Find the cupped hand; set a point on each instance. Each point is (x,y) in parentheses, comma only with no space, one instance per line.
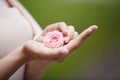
(67,31)
(37,50)
(78,40)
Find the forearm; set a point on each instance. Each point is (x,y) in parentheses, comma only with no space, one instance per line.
(35,69)
(10,63)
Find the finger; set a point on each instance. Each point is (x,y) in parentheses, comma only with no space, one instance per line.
(75,34)
(55,53)
(71,30)
(38,38)
(70,35)
(61,59)
(61,26)
(75,43)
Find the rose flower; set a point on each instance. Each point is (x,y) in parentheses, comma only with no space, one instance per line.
(54,39)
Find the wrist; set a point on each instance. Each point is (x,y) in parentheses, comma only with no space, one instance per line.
(11,62)
(35,69)
(20,55)
(27,52)
(40,63)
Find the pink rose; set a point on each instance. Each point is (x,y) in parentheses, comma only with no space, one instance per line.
(54,39)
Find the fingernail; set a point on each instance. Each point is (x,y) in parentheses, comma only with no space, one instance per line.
(64,51)
(66,32)
(93,28)
(96,26)
(67,39)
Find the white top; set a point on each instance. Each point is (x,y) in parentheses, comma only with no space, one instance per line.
(14,30)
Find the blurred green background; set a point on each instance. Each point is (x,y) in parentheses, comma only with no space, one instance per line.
(81,14)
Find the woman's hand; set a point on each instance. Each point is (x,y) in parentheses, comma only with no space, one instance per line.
(77,41)
(43,56)
(67,31)
(36,49)
(71,37)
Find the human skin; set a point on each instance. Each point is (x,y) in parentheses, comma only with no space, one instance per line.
(33,73)
(36,63)
(34,51)
(75,42)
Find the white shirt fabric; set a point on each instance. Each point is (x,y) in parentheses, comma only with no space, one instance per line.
(14,30)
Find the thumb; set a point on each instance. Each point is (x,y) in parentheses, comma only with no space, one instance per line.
(64,51)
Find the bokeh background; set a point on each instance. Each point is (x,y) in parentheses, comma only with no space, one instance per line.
(98,58)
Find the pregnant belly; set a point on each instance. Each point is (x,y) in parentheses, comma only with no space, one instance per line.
(13,32)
